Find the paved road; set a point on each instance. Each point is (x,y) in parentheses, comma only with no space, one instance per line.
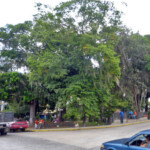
(67,140)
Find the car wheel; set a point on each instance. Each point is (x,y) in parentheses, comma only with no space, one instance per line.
(11,130)
(23,129)
(3,133)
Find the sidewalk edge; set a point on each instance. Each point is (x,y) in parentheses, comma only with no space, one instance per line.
(85,128)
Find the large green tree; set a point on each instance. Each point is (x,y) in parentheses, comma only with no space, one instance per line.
(67,44)
(134,49)
(15,47)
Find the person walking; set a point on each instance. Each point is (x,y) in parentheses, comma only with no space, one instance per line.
(121,116)
(135,115)
(36,124)
(41,123)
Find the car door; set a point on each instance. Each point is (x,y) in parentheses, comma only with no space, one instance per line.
(137,148)
(135,143)
(128,147)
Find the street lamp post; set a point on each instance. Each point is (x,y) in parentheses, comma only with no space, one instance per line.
(124,95)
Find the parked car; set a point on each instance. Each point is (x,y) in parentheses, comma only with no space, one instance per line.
(18,124)
(133,143)
(3,128)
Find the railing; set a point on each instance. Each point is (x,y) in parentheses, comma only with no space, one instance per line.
(6,116)
(116,116)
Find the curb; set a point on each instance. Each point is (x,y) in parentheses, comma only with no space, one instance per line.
(85,128)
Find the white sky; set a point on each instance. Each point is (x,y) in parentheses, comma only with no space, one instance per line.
(136,13)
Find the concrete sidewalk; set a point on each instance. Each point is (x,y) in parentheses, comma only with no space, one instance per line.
(116,123)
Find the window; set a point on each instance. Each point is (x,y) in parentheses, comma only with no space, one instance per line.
(137,141)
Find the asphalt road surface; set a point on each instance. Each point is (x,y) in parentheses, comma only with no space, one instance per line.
(67,140)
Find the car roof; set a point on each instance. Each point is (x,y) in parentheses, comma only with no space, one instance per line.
(20,121)
(145,131)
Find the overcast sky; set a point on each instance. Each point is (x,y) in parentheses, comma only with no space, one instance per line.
(136,14)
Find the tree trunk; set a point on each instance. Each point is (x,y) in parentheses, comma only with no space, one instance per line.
(84,120)
(136,99)
(109,120)
(62,115)
(146,107)
(32,112)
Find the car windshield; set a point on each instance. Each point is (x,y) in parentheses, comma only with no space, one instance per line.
(138,140)
(19,120)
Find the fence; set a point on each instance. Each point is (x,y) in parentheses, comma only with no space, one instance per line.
(116,115)
(54,125)
(6,116)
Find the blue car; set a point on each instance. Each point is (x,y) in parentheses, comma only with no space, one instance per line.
(140,141)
